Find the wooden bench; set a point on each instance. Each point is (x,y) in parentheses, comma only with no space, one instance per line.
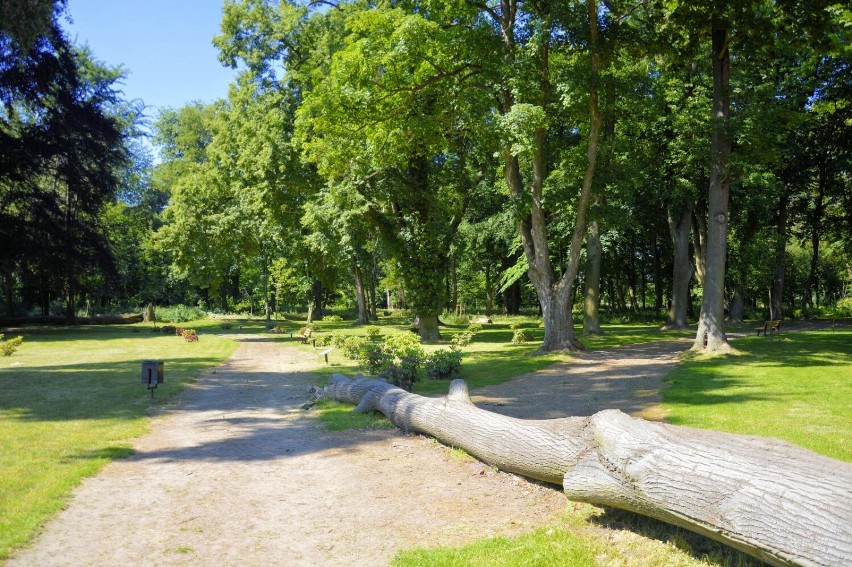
(769,327)
(304,334)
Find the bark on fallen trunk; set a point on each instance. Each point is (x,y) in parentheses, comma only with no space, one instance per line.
(778,502)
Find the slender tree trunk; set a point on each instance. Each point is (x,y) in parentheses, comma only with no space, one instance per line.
(711,319)
(454,291)
(8,290)
(267,308)
(363,316)
(318,303)
(780,261)
(816,220)
(679,229)
(699,244)
(591,304)
(489,291)
(658,275)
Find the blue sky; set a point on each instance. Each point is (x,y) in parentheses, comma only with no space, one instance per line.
(164,45)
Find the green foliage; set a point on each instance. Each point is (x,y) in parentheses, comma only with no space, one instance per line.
(189,335)
(462,339)
(324,340)
(373,357)
(373,331)
(179,314)
(9,346)
(333,318)
(443,364)
(169,329)
(521,336)
(404,346)
(402,372)
(844,307)
(353,346)
(474,327)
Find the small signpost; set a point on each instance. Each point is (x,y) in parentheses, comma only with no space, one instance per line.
(152,374)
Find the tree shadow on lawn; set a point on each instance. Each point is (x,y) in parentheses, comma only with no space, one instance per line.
(90,390)
(698,546)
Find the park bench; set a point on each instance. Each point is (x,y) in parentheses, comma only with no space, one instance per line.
(769,327)
(304,334)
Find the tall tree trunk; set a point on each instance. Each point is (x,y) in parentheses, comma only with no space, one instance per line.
(699,244)
(679,229)
(777,302)
(658,275)
(8,290)
(454,289)
(489,291)
(553,292)
(816,220)
(780,503)
(363,316)
(318,290)
(592,302)
(711,319)
(267,308)
(427,327)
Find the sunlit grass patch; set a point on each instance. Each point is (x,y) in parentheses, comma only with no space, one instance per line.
(338,417)
(72,399)
(796,387)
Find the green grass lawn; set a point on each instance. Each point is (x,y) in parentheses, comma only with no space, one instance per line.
(796,386)
(71,401)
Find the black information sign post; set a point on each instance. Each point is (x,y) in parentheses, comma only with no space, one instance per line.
(152,374)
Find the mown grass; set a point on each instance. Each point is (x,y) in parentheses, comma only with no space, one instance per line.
(339,417)
(71,401)
(796,386)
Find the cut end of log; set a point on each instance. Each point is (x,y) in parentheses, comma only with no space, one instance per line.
(458,392)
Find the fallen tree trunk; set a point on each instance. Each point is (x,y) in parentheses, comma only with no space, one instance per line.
(780,503)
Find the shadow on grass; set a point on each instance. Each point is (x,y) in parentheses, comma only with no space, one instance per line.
(104,390)
(698,546)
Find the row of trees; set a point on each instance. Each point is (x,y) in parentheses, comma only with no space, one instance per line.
(476,154)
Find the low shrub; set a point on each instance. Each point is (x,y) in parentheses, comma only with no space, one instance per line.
(352,347)
(404,345)
(9,346)
(373,357)
(521,336)
(278,330)
(373,331)
(189,335)
(333,319)
(462,339)
(515,326)
(443,364)
(179,331)
(474,327)
(402,374)
(323,340)
(338,340)
(226,326)
(169,329)
(844,307)
(179,314)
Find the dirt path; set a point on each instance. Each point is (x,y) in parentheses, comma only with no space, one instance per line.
(236,474)
(628,378)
